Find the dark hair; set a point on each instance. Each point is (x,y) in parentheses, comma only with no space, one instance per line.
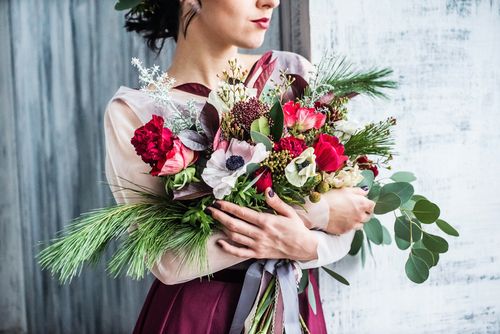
(155,20)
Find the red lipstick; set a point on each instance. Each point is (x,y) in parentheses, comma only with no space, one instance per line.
(263,22)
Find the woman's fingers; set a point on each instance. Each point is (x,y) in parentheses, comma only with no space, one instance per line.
(235,250)
(241,212)
(358,226)
(239,238)
(278,205)
(234,224)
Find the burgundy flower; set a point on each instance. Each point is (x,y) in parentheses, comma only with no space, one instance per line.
(265,181)
(365,163)
(292,144)
(152,141)
(329,153)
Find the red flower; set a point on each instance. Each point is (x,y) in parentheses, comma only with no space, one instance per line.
(329,153)
(303,118)
(365,163)
(152,141)
(177,159)
(292,144)
(265,181)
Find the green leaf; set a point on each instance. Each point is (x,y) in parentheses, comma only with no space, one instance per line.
(403,190)
(368,178)
(417,198)
(425,255)
(387,203)
(276,114)
(311,297)
(402,229)
(374,191)
(402,244)
(336,276)
(435,243)
(416,269)
(357,242)
(426,211)
(304,280)
(126,4)
(403,177)
(374,231)
(387,236)
(261,125)
(446,228)
(260,138)
(408,205)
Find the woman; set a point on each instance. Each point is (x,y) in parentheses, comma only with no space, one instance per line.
(207,34)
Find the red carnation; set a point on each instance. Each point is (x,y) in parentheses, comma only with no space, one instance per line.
(329,153)
(365,163)
(152,141)
(265,181)
(292,144)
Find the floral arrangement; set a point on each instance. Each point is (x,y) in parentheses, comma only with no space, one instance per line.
(295,137)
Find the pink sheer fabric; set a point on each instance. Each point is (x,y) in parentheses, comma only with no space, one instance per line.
(129,109)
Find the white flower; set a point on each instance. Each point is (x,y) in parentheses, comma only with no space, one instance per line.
(347,177)
(224,167)
(345,129)
(226,96)
(301,168)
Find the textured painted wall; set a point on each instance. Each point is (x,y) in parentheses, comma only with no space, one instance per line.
(446,56)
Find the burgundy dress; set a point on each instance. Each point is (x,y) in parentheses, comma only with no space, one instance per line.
(202,306)
(207,306)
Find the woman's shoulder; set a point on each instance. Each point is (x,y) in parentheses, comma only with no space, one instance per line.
(127,102)
(295,63)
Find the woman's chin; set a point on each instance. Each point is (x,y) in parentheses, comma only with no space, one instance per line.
(252,43)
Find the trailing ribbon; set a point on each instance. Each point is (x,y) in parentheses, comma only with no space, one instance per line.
(283,270)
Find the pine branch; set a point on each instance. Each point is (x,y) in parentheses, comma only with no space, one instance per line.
(335,74)
(374,139)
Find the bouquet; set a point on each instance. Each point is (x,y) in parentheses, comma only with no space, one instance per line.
(294,136)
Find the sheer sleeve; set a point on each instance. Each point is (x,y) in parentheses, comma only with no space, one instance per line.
(120,123)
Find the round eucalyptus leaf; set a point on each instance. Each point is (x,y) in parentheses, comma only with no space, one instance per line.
(374,191)
(426,211)
(425,255)
(368,178)
(402,244)
(416,269)
(387,203)
(374,231)
(404,190)
(403,177)
(417,198)
(436,258)
(435,243)
(407,230)
(408,205)
(447,228)
(387,240)
(357,242)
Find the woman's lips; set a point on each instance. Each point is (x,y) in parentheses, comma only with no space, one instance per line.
(263,23)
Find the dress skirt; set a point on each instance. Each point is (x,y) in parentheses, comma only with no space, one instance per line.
(208,306)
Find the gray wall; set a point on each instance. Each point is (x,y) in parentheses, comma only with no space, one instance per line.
(61,61)
(446,55)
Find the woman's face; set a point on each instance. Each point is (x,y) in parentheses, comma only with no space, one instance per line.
(236,22)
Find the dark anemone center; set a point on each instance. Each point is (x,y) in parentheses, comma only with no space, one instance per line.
(303,165)
(234,162)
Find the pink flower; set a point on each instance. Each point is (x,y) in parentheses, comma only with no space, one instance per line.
(329,153)
(219,142)
(302,118)
(177,159)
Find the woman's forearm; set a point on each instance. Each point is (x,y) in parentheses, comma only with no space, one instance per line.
(170,270)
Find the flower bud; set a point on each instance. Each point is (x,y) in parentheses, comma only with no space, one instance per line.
(323,187)
(315,197)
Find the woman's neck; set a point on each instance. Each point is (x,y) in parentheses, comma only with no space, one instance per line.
(202,60)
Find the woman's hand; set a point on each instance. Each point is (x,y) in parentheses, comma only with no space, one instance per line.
(264,235)
(348,209)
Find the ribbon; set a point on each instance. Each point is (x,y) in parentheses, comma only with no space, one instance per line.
(283,270)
